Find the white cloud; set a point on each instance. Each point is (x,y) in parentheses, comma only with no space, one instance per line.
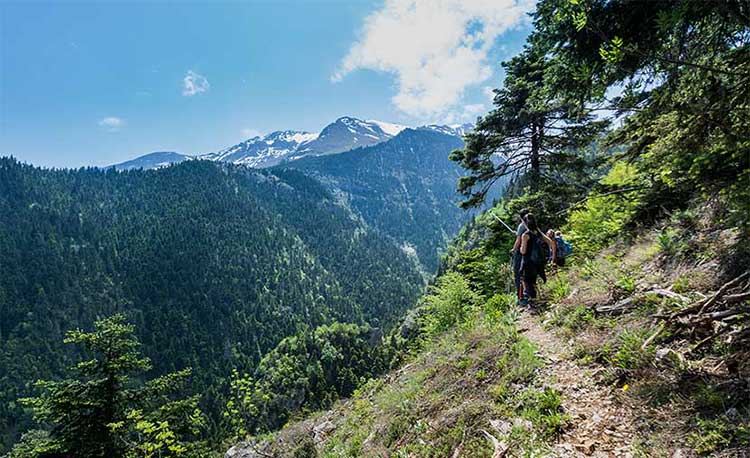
(466,113)
(435,48)
(194,83)
(250,133)
(111,123)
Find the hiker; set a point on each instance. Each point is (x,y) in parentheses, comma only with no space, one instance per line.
(533,257)
(516,254)
(564,249)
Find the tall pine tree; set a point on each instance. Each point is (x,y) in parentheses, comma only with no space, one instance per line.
(529,131)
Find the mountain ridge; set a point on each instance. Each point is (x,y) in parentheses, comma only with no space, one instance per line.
(344,134)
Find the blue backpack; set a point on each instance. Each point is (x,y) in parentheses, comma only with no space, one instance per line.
(564,248)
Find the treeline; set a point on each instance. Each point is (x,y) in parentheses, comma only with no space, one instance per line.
(213,264)
(307,371)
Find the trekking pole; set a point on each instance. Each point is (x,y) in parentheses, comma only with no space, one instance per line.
(503,223)
(514,233)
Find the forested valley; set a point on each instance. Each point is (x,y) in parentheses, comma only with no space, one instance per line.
(213,264)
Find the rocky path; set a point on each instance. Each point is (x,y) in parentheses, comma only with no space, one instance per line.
(601,425)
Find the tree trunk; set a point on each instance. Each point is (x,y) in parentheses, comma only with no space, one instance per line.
(534,161)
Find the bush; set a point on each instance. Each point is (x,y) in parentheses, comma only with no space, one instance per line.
(449,303)
(630,353)
(603,218)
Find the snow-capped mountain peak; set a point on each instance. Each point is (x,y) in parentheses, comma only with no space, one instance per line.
(344,134)
(457,130)
(289,137)
(264,151)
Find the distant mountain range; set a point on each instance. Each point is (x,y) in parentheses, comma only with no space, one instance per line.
(344,134)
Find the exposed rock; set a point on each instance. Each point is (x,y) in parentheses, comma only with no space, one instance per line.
(245,449)
(669,358)
(322,430)
(501,426)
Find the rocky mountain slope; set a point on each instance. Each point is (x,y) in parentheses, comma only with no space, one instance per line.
(404,187)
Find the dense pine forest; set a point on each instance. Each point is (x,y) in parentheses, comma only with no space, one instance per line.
(213,264)
(624,124)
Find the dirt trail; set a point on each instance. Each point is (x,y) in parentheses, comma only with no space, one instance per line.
(600,426)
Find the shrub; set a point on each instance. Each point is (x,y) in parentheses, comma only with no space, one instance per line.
(497,307)
(449,303)
(602,218)
(630,353)
(574,318)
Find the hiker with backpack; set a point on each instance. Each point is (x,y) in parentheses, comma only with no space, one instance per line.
(564,248)
(516,254)
(534,248)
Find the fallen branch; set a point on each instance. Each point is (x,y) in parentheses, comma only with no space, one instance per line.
(722,290)
(618,307)
(668,293)
(724,313)
(701,305)
(708,339)
(733,298)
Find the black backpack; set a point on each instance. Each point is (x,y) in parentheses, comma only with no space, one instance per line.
(537,251)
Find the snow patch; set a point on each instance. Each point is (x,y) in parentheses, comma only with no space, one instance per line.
(387,127)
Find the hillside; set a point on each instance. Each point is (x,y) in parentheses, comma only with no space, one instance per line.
(398,180)
(214,264)
(591,294)
(405,188)
(616,359)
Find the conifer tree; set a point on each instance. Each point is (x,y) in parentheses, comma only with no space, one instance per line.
(105,411)
(528,132)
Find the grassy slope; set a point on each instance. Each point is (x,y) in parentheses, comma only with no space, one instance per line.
(574,380)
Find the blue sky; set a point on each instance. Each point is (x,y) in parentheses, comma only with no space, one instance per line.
(94,83)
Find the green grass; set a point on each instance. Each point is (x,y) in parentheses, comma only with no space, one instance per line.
(630,353)
(558,288)
(718,433)
(572,319)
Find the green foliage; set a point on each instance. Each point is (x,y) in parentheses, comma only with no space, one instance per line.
(309,370)
(668,241)
(529,130)
(521,361)
(630,352)
(106,411)
(626,283)
(487,270)
(683,66)
(496,310)
(450,302)
(558,287)
(573,319)
(717,433)
(214,264)
(544,409)
(603,218)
